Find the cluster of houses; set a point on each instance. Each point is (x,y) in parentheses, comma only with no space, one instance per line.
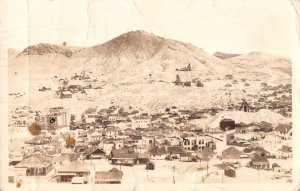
(75,84)
(133,137)
(64,170)
(98,134)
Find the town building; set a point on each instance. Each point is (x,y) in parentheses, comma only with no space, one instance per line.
(229,171)
(140,122)
(227,124)
(36,165)
(260,162)
(231,153)
(158,153)
(113,176)
(70,171)
(284,131)
(127,156)
(197,142)
(111,132)
(57,120)
(148,142)
(65,94)
(89,117)
(285,152)
(116,118)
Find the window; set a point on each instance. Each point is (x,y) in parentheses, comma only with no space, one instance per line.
(150,141)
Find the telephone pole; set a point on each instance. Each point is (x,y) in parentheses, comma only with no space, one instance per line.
(174,174)
(207,169)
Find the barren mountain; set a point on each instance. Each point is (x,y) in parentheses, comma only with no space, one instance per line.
(259,59)
(137,47)
(273,67)
(43,48)
(139,68)
(137,44)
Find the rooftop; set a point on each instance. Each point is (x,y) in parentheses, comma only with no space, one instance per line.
(74,166)
(113,174)
(35,161)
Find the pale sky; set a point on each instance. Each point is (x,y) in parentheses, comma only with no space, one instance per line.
(234,26)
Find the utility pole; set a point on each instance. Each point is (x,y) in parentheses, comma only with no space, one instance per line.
(207,169)
(275,138)
(174,174)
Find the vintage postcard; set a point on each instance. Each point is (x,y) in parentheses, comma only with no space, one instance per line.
(149,95)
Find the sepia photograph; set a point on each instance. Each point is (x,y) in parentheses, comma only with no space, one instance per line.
(149,93)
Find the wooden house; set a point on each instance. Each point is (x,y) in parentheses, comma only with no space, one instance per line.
(96,154)
(175,151)
(70,170)
(285,152)
(36,165)
(65,94)
(284,131)
(260,162)
(206,154)
(158,153)
(229,171)
(113,176)
(124,156)
(231,153)
(276,167)
(186,157)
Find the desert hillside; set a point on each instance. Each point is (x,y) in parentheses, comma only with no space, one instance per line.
(139,68)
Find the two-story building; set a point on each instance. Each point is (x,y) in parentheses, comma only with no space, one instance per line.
(140,122)
(116,118)
(148,142)
(111,133)
(89,117)
(195,142)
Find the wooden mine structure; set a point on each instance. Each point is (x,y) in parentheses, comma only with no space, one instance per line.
(244,106)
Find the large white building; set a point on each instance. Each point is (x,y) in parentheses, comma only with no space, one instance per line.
(116,118)
(196,142)
(57,120)
(89,117)
(140,122)
(148,142)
